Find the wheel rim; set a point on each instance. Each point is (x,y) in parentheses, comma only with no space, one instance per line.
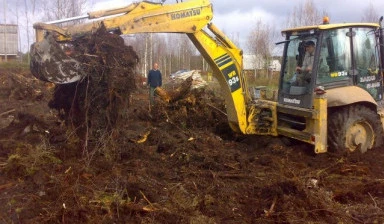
(360,136)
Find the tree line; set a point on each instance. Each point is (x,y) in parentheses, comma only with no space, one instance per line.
(173,52)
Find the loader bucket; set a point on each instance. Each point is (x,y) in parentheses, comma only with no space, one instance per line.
(50,63)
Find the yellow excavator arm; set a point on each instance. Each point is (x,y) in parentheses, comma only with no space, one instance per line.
(189,17)
(141,17)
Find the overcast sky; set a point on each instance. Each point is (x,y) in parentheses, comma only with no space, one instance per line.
(237,17)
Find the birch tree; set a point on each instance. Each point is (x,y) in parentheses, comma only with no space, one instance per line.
(60,9)
(370,14)
(260,43)
(305,14)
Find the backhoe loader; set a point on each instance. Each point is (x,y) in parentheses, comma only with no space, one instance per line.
(338,107)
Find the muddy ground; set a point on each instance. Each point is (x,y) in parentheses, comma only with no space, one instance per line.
(174,163)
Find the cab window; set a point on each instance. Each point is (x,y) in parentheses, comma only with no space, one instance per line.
(367,61)
(335,56)
(365,51)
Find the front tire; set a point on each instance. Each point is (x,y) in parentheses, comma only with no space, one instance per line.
(354,128)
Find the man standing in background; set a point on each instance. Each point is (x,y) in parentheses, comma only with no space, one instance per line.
(154,81)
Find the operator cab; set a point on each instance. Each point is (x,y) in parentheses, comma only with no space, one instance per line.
(344,55)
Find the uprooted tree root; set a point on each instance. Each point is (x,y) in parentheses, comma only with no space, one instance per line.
(99,102)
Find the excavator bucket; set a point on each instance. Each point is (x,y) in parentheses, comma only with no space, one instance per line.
(50,63)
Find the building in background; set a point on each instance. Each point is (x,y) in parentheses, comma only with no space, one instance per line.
(8,42)
(275,65)
(252,62)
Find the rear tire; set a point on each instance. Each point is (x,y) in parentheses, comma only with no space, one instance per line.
(354,128)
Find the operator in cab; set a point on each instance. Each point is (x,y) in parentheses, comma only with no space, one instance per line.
(304,72)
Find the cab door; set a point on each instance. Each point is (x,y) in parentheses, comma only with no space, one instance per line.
(335,67)
(292,92)
(350,56)
(366,61)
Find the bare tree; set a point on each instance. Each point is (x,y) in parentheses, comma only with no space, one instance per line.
(173,52)
(234,37)
(160,52)
(33,3)
(305,14)
(24,12)
(27,24)
(261,43)
(187,49)
(141,44)
(59,9)
(370,14)
(179,50)
(150,47)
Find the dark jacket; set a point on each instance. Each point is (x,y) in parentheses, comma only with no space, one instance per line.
(154,78)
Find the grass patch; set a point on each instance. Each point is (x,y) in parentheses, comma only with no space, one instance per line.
(15,64)
(28,158)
